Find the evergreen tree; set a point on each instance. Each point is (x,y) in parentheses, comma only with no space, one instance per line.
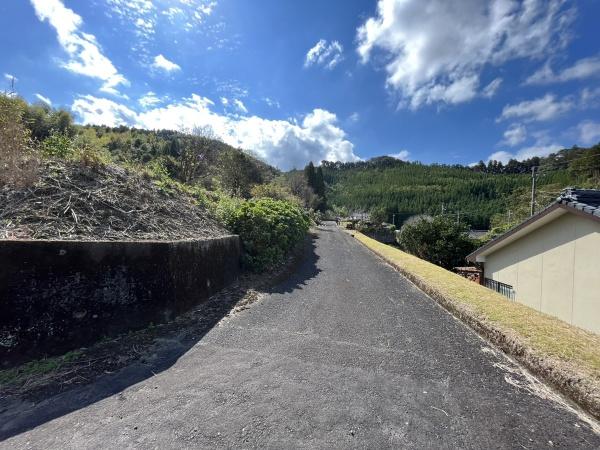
(319,183)
(310,175)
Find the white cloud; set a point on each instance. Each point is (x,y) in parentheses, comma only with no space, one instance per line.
(140,13)
(85,56)
(240,106)
(589,97)
(173,13)
(490,90)
(272,102)
(401,155)
(10,77)
(235,103)
(541,109)
(583,68)
(283,143)
(435,50)
(537,149)
(460,90)
(160,62)
(149,99)
(324,54)
(589,132)
(515,135)
(101,111)
(354,117)
(44,99)
(145,15)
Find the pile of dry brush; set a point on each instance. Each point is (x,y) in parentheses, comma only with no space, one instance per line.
(72,201)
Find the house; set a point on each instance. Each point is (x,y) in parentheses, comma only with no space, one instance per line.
(551,262)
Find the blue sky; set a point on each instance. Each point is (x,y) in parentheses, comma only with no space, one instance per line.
(427,80)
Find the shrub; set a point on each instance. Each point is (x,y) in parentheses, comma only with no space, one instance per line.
(18,162)
(275,191)
(268,228)
(58,145)
(439,240)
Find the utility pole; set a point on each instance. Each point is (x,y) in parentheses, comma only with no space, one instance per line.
(394,219)
(443,208)
(533,186)
(458,218)
(509,216)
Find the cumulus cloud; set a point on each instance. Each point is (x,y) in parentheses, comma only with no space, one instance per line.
(435,50)
(162,63)
(540,109)
(325,54)
(85,55)
(589,132)
(102,111)
(583,68)
(149,99)
(515,135)
(537,149)
(401,155)
(283,143)
(43,99)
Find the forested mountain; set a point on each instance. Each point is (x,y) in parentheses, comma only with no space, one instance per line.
(475,194)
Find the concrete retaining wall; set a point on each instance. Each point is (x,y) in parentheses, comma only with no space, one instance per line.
(59,295)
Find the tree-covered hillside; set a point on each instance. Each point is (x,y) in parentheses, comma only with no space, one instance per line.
(190,156)
(388,186)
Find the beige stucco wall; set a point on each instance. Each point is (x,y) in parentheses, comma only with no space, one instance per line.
(555,269)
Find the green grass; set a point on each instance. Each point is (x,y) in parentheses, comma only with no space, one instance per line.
(542,334)
(37,368)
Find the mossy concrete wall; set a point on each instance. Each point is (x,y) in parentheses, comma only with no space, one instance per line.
(59,295)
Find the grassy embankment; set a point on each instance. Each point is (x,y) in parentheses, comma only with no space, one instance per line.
(565,356)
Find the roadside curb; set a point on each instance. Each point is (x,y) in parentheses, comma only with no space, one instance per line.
(582,390)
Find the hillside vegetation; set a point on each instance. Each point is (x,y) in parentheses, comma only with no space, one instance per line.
(59,180)
(476,195)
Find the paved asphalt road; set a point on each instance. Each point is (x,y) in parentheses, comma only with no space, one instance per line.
(345,354)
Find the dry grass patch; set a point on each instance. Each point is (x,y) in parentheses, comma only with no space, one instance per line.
(565,356)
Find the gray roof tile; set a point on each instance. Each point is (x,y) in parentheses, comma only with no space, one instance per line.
(586,200)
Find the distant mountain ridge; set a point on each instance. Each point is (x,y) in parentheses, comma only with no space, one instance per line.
(400,189)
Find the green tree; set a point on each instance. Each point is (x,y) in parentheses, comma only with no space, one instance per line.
(239,173)
(378,215)
(441,241)
(310,175)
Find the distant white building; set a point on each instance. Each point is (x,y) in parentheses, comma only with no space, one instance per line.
(551,262)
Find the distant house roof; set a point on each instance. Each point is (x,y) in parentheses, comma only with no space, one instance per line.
(476,234)
(584,202)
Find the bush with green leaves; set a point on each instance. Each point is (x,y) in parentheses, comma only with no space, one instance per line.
(440,240)
(268,228)
(58,145)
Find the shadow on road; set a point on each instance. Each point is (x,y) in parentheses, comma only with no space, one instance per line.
(154,354)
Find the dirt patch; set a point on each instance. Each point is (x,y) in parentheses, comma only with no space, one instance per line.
(71,201)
